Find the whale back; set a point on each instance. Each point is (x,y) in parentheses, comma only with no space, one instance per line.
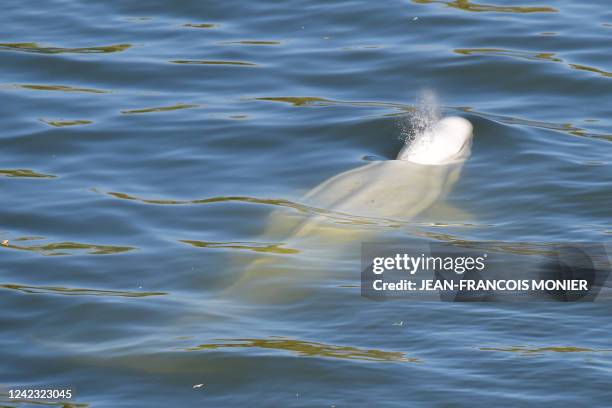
(345,209)
(387,189)
(425,172)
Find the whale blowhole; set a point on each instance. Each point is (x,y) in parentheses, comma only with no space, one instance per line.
(432,139)
(448,141)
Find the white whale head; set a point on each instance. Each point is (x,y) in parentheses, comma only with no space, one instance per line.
(447,141)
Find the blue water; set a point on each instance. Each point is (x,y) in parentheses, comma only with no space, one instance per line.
(144,146)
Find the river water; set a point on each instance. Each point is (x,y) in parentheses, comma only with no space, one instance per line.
(144,146)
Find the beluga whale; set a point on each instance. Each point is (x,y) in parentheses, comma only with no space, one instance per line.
(349,208)
(424,170)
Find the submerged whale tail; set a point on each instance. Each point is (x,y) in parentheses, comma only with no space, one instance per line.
(447,141)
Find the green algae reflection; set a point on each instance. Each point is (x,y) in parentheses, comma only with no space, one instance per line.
(35,48)
(316,101)
(467,5)
(213,62)
(59,290)
(64,123)
(248,246)
(535,56)
(335,216)
(160,109)
(591,69)
(307,101)
(298,100)
(61,88)
(547,56)
(220,199)
(540,350)
(68,248)
(24,173)
(308,349)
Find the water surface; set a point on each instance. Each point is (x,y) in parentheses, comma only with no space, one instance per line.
(145,144)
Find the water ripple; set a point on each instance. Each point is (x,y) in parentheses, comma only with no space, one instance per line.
(344,218)
(535,56)
(64,123)
(562,127)
(315,101)
(467,5)
(60,290)
(547,56)
(591,69)
(68,248)
(161,108)
(308,349)
(540,350)
(201,25)
(212,62)
(272,248)
(35,48)
(61,88)
(306,101)
(252,42)
(24,173)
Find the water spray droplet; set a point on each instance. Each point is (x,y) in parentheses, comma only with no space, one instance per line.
(422,118)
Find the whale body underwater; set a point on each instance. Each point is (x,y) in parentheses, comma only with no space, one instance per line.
(423,173)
